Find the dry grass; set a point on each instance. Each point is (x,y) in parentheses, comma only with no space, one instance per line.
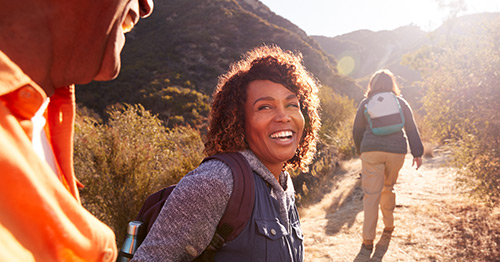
(476,233)
(434,220)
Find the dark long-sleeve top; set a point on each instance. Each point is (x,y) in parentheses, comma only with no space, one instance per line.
(366,141)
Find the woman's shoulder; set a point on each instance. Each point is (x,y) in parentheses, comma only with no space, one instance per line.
(212,174)
(403,102)
(213,167)
(362,103)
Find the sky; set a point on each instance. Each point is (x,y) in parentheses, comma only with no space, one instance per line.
(336,17)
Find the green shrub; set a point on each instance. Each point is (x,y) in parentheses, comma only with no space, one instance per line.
(131,156)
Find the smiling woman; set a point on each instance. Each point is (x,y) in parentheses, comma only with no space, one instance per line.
(265,108)
(281,69)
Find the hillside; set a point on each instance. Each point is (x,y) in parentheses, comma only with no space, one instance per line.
(376,50)
(371,51)
(189,43)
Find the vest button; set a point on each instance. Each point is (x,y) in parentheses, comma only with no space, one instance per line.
(273,232)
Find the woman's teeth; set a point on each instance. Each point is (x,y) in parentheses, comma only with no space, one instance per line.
(282,134)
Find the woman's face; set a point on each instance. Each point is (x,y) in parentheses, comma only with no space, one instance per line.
(274,123)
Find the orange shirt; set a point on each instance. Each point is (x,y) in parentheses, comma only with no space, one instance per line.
(41,217)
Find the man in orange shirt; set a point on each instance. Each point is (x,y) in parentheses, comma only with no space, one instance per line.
(47,46)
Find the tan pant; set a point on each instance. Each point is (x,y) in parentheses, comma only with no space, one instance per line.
(379,174)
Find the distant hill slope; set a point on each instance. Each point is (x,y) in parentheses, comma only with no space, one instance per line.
(372,51)
(191,42)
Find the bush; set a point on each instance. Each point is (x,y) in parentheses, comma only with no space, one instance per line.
(476,234)
(176,105)
(480,169)
(337,117)
(131,156)
(308,185)
(462,90)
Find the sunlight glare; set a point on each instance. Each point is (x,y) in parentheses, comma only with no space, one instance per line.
(347,64)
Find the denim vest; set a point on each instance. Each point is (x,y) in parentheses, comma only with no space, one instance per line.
(265,237)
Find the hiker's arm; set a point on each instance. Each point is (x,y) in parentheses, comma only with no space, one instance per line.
(416,147)
(187,222)
(359,127)
(40,220)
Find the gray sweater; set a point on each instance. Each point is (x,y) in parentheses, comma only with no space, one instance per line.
(188,220)
(366,141)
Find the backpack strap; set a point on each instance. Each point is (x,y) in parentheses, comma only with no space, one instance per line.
(239,207)
(152,207)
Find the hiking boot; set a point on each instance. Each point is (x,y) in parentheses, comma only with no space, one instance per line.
(367,244)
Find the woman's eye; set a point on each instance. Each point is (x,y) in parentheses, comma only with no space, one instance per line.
(293,105)
(264,107)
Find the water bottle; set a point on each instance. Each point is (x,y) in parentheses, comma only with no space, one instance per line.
(134,230)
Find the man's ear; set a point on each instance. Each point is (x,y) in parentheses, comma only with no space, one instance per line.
(146,7)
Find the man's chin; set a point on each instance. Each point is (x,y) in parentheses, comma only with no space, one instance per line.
(108,72)
(106,77)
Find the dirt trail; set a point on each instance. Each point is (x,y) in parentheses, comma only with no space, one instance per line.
(332,226)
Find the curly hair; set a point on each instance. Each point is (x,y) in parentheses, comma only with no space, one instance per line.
(226,131)
(382,81)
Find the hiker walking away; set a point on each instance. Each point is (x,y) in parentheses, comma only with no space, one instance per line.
(266,108)
(47,46)
(382,155)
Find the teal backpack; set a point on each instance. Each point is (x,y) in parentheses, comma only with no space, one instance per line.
(384,114)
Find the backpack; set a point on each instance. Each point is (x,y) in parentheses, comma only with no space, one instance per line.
(384,114)
(235,218)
